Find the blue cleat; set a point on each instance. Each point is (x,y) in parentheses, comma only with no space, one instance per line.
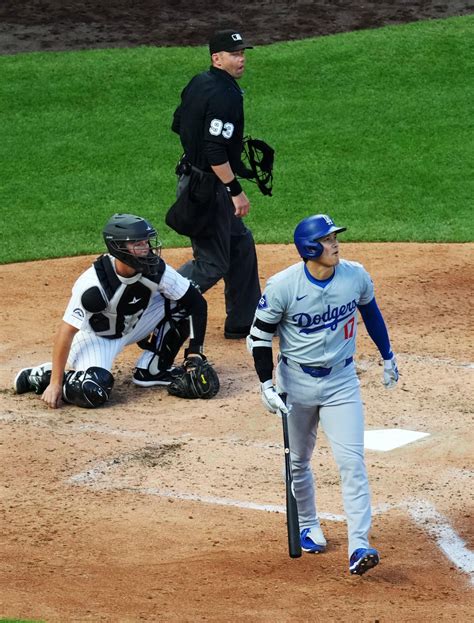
(312,540)
(362,560)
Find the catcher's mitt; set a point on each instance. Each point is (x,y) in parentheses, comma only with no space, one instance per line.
(259,157)
(198,380)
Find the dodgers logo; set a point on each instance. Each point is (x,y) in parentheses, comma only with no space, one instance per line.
(330,319)
(262,304)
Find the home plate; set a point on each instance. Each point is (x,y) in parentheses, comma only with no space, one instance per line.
(390,438)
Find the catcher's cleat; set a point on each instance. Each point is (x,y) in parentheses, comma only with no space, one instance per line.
(362,560)
(144,378)
(22,384)
(312,540)
(33,379)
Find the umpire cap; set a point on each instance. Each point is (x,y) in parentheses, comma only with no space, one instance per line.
(227,41)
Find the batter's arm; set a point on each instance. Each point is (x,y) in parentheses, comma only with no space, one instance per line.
(259,343)
(62,345)
(376,327)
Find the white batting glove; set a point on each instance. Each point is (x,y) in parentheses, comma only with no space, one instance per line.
(390,373)
(271,399)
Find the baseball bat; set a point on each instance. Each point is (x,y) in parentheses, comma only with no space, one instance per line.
(292,523)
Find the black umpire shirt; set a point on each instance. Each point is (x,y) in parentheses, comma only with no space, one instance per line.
(210,120)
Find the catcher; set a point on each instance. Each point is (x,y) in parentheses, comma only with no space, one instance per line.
(123,297)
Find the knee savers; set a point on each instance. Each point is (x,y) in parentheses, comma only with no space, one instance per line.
(89,389)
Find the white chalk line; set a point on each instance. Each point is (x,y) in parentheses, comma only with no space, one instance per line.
(427,517)
(422,512)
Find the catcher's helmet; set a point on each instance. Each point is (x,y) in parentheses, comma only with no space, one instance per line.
(124,228)
(309,231)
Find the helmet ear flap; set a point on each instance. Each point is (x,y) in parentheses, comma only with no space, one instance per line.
(318,249)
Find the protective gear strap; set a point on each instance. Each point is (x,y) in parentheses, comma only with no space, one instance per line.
(261,330)
(257,334)
(107,276)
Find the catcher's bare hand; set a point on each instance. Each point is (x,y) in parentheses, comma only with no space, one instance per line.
(52,395)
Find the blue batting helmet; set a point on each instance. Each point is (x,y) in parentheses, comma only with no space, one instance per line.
(309,231)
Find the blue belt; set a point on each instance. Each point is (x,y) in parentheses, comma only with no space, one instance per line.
(315,371)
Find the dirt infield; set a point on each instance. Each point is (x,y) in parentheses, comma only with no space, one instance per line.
(160,509)
(36,25)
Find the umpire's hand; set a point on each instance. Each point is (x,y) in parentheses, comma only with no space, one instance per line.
(241,205)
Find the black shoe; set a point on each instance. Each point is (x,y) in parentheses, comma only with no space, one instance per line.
(237,333)
(22,384)
(142,377)
(33,379)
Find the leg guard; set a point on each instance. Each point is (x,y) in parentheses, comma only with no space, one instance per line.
(89,389)
(167,338)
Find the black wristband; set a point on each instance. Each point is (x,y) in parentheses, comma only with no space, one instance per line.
(234,187)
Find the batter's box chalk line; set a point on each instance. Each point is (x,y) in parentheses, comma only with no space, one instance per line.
(422,512)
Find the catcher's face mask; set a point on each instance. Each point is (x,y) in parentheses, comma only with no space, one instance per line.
(259,157)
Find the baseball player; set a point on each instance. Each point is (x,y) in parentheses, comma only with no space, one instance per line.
(210,123)
(125,296)
(312,306)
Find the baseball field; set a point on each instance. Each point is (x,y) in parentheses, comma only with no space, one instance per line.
(156,508)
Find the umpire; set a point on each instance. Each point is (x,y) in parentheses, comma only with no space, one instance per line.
(210,124)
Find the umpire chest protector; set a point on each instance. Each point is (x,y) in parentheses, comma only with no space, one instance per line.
(118,304)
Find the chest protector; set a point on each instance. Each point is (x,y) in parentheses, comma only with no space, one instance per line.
(118,313)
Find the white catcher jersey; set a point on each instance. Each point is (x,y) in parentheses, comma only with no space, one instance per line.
(128,304)
(317,326)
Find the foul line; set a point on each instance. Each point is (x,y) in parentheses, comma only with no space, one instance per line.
(422,512)
(427,517)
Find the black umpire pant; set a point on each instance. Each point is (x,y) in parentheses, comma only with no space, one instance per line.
(228,254)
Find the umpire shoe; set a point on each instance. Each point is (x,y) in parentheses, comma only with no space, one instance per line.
(362,560)
(33,379)
(312,540)
(144,378)
(236,333)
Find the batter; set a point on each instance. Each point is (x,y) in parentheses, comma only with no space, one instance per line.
(312,307)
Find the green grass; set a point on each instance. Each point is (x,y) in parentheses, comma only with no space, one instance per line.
(373,127)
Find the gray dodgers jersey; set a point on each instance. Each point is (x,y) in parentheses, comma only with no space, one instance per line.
(317,326)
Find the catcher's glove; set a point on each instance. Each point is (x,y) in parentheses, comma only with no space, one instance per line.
(198,380)
(259,157)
